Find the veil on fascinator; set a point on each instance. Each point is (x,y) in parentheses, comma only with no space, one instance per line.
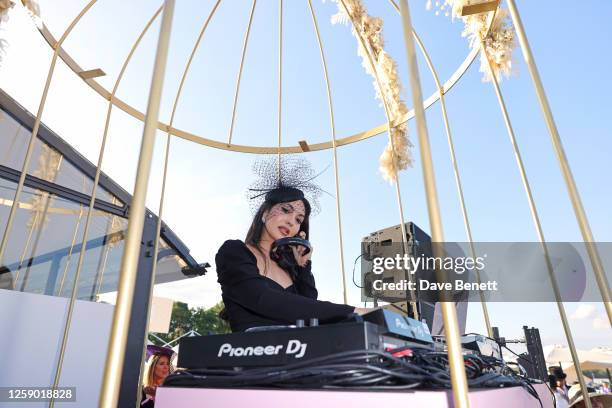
(284,178)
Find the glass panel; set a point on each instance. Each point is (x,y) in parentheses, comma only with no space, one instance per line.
(46,162)
(169,264)
(43,248)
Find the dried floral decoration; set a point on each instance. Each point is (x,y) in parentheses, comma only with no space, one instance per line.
(5,6)
(31,6)
(396,156)
(34,11)
(499,41)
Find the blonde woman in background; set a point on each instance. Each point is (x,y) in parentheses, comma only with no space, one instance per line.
(157,368)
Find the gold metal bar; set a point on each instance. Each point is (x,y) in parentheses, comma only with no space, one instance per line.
(280,84)
(537,224)
(41,224)
(389,126)
(99,276)
(25,250)
(572,189)
(89,214)
(69,256)
(217,144)
(478,8)
(92,73)
(334,150)
(451,146)
(244,48)
(40,219)
(76,230)
(449,313)
(129,262)
(34,134)
(165,177)
(304,145)
(90,211)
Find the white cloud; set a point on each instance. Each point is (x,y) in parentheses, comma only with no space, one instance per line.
(601,323)
(583,312)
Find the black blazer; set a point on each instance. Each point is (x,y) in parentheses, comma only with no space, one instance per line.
(252,299)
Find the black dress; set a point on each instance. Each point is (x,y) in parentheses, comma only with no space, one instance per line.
(144,402)
(254,300)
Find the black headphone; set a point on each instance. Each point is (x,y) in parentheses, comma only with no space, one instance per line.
(282,254)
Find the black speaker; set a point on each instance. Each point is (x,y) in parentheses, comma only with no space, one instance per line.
(534,362)
(384,243)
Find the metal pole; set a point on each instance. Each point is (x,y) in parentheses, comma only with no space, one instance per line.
(451,147)
(34,134)
(129,263)
(165,177)
(237,91)
(334,146)
(80,261)
(449,313)
(536,221)
(280,84)
(572,189)
(398,193)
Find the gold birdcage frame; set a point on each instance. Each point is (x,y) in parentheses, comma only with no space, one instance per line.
(150,119)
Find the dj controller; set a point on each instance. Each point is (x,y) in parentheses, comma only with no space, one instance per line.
(381,350)
(381,330)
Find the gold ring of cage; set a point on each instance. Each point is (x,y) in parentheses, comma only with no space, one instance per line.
(89,78)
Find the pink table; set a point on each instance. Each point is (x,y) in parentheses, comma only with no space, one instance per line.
(227,398)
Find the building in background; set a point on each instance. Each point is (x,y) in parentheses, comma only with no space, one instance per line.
(37,274)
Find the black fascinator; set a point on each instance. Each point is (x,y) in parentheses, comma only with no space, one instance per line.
(284,178)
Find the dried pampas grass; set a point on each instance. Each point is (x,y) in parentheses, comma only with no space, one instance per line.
(396,156)
(5,6)
(499,41)
(34,11)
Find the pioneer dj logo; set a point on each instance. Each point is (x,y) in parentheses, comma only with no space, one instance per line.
(294,347)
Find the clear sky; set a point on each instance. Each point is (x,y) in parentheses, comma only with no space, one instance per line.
(205,201)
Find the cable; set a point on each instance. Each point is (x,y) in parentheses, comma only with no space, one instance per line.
(371,369)
(354,266)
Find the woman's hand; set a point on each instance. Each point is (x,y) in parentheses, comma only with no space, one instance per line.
(150,391)
(298,252)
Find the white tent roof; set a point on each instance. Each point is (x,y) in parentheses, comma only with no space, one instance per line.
(594,359)
(557,353)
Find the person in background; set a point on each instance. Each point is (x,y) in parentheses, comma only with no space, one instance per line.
(157,368)
(561,400)
(559,387)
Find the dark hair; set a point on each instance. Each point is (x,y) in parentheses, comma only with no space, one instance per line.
(273,197)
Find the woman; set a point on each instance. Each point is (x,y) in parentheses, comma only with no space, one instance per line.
(559,387)
(156,370)
(256,290)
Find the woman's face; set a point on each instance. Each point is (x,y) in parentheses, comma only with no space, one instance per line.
(162,368)
(284,219)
